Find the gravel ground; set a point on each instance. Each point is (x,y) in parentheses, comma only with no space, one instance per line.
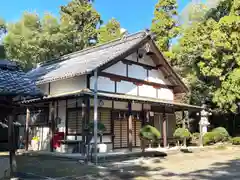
(215,164)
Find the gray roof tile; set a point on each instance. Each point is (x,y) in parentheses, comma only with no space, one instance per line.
(14,82)
(85,61)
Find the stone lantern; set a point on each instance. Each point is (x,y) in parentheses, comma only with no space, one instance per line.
(203,123)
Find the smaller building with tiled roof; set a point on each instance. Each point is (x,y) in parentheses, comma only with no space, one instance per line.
(132,78)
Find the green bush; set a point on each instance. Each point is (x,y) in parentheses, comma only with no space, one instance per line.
(209,138)
(182,133)
(100,127)
(195,136)
(149,133)
(235,141)
(221,134)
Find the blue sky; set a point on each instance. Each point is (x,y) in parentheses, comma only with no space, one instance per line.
(134,15)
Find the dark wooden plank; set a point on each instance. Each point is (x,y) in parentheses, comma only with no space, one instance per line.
(66,125)
(134,80)
(130,124)
(112,124)
(164,123)
(145,66)
(52,128)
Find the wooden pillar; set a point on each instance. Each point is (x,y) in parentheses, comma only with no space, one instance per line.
(27,129)
(184,126)
(143,116)
(95,114)
(130,132)
(112,124)
(87,120)
(12,157)
(164,129)
(52,126)
(83,118)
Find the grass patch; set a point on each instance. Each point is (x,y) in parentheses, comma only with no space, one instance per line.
(221,147)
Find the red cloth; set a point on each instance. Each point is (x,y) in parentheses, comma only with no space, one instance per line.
(56,139)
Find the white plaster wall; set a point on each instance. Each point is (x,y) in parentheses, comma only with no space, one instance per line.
(137,72)
(120,105)
(118,68)
(166,94)
(132,57)
(105,139)
(44,88)
(126,88)
(157,76)
(147,106)
(147,91)
(136,107)
(146,60)
(104,84)
(68,85)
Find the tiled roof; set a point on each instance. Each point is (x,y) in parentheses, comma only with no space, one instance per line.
(14,82)
(85,61)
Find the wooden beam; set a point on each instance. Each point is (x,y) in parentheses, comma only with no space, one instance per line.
(164,123)
(52,126)
(66,125)
(134,80)
(10,143)
(84,112)
(145,66)
(27,129)
(159,66)
(112,125)
(167,76)
(130,124)
(184,126)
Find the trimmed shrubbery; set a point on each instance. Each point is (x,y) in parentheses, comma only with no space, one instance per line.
(148,134)
(209,138)
(221,134)
(218,134)
(181,133)
(100,127)
(235,141)
(195,136)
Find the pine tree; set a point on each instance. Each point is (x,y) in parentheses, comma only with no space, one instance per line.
(110,31)
(165,23)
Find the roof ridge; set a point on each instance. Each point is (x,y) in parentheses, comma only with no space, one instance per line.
(99,47)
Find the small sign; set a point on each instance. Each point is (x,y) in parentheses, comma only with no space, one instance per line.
(151,113)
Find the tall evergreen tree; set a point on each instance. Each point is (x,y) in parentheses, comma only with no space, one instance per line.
(32,40)
(210,53)
(109,31)
(165,23)
(84,20)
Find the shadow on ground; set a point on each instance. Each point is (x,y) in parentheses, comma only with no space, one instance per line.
(217,171)
(131,169)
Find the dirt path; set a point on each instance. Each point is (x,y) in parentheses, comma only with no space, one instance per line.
(216,164)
